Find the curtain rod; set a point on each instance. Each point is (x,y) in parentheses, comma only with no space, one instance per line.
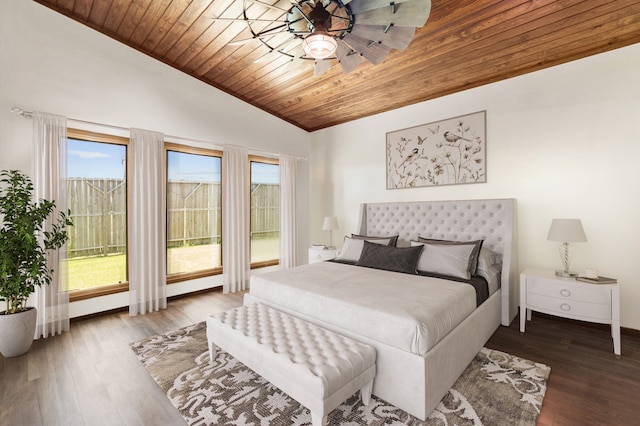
(29,115)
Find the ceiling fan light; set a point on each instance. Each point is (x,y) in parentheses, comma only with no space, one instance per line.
(319,45)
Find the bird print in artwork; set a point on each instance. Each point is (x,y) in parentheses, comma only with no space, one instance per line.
(421,140)
(412,155)
(450,137)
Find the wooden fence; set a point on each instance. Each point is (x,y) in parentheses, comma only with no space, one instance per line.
(98,210)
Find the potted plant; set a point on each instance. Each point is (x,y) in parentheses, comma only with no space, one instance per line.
(24,242)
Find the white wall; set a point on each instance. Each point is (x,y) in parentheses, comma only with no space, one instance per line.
(565,142)
(53,64)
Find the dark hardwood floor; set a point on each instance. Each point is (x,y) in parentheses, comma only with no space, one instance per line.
(588,384)
(90,376)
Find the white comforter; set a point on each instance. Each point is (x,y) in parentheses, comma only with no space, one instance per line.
(406,311)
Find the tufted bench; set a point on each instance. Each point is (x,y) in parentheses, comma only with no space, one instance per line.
(316,367)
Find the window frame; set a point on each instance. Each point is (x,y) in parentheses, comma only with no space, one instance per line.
(265,160)
(186,149)
(107,289)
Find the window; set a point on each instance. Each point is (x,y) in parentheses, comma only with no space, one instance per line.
(194,214)
(97,198)
(265,211)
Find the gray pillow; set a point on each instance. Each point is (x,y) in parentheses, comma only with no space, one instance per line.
(396,259)
(390,241)
(454,258)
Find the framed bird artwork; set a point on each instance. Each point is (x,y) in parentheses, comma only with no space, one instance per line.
(445,152)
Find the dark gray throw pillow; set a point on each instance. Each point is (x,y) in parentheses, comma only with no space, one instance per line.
(390,241)
(396,259)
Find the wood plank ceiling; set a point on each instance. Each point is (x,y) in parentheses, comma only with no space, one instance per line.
(465,44)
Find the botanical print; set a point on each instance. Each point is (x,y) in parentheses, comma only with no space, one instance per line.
(446,152)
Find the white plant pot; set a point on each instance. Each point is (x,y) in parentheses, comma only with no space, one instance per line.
(16,332)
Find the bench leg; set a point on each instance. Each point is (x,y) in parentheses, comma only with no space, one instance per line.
(317,420)
(365,393)
(212,352)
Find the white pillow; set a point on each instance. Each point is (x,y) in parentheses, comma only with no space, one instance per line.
(352,247)
(452,260)
(490,267)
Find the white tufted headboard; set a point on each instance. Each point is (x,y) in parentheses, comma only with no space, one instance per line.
(493,221)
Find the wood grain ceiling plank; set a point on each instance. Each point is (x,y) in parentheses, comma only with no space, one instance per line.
(190,14)
(438,14)
(256,70)
(205,45)
(115,16)
(165,24)
(531,58)
(137,10)
(66,5)
(482,47)
(151,18)
(82,8)
(461,30)
(250,87)
(98,13)
(196,37)
(304,79)
(208,60)
(215,52)
(266,74)
(261,71)
(511,65)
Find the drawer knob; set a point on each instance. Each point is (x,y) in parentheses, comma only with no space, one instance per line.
(565,307)
(564,292)
(319,257)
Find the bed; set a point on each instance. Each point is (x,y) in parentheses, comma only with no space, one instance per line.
(425,330)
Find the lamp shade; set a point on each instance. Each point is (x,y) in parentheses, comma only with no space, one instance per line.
(319,45)
(330,223)
(567,231)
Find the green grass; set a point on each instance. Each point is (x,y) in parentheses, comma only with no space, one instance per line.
(91,272)
(96,271)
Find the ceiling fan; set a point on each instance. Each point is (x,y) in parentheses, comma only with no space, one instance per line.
(326,31)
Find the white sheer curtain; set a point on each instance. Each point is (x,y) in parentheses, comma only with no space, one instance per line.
(288,235)
(147,257)
(49,182)
(236,263)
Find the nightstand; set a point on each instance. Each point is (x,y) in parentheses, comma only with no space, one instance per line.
(542,291)
(320,254)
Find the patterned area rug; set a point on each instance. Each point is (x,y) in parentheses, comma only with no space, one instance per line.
(496,389)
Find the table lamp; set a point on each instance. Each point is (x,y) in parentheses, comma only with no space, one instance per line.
(330,224)
(566,231)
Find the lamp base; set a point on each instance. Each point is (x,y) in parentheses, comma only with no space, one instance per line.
(566,274)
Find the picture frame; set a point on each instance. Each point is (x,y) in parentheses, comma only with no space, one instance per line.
(445,152)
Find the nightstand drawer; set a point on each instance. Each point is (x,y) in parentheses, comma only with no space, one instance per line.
(568,307)
(320,255)
(569,291)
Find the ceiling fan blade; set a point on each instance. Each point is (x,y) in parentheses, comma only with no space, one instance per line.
(347,58)
(359,6)
(413,13)
(321,66)
(396,37)
(372,51)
